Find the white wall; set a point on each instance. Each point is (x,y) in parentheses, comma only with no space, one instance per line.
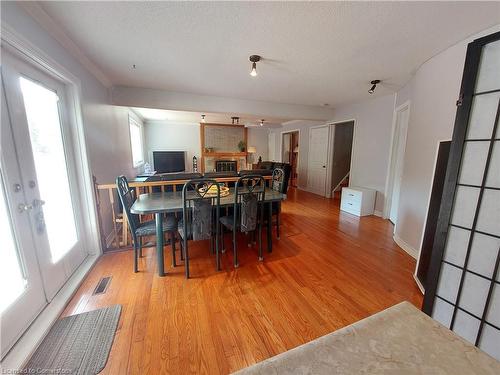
(371,144)
(106,126)
(257,137)
(433,92)
(170,136)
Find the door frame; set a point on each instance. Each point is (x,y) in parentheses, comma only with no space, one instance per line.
(30,54)
(391,168)
(19,47)
(331,140)
(281,141)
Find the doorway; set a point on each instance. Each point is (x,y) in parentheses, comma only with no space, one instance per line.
(402,115)
(343,135)
(40,210)
(290,154)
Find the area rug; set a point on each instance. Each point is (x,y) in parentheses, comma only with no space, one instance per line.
(77,344)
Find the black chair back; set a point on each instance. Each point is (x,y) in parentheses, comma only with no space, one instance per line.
(249,194)
(200,208)
(278,180)
(127,198)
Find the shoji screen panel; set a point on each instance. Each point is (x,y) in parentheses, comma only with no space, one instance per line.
(464,280)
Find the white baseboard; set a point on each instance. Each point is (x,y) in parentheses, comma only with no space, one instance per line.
(402,244)
(378,213)
(29,341)
(419,284)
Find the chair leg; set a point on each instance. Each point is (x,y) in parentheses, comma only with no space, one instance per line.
(136,257)
(235,251)
(140,247)
(182,248)
(223,246)
(278,225)
(186,258)
(172,239)
(261,257)
(217,257)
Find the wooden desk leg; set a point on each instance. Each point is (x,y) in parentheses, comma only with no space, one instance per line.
(159,243)
(270,229)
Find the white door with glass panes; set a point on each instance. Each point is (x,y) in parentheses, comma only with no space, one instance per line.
(40,212)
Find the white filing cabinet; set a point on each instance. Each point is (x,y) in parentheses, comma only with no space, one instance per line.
(358,201)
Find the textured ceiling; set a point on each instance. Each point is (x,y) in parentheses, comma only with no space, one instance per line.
(314,53)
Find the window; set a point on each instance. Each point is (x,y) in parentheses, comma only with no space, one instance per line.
(136,142)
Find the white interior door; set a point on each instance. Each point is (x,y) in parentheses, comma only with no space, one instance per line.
(22,296)
(317,160)
(399,147)
(43,139)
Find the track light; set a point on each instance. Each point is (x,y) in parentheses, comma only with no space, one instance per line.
(254,60)
(202,118)
(262,122)
(374,83)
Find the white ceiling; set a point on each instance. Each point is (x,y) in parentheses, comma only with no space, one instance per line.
(314,53)
(168,116)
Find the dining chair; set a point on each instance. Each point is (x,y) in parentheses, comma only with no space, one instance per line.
(200,216)
(278,183)
(247,214)
(139,230)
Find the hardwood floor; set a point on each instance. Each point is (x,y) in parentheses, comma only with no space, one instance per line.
(328,270)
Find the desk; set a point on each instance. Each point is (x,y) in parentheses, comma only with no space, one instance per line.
(170,202)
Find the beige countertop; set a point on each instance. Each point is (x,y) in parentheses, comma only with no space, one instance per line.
(398,340)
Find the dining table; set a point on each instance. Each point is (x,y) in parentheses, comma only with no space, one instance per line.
(160,203)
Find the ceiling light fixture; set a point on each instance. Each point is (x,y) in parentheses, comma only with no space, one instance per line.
(262,122)
(254,59)
(374,83)
(202,118)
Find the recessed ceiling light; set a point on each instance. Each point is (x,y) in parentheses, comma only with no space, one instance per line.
(254,59)
(202,118)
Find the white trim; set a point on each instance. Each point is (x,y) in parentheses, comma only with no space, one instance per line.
(33,336)
(330,154)
(389,180)
(419,284)
(405,246)
(378,213)
(52,27)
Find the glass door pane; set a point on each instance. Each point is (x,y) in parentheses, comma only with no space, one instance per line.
(12,278)
(42,112)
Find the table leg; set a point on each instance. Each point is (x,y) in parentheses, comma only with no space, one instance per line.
(159,243)
(270,228)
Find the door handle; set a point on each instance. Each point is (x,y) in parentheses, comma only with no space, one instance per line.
(24,207)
